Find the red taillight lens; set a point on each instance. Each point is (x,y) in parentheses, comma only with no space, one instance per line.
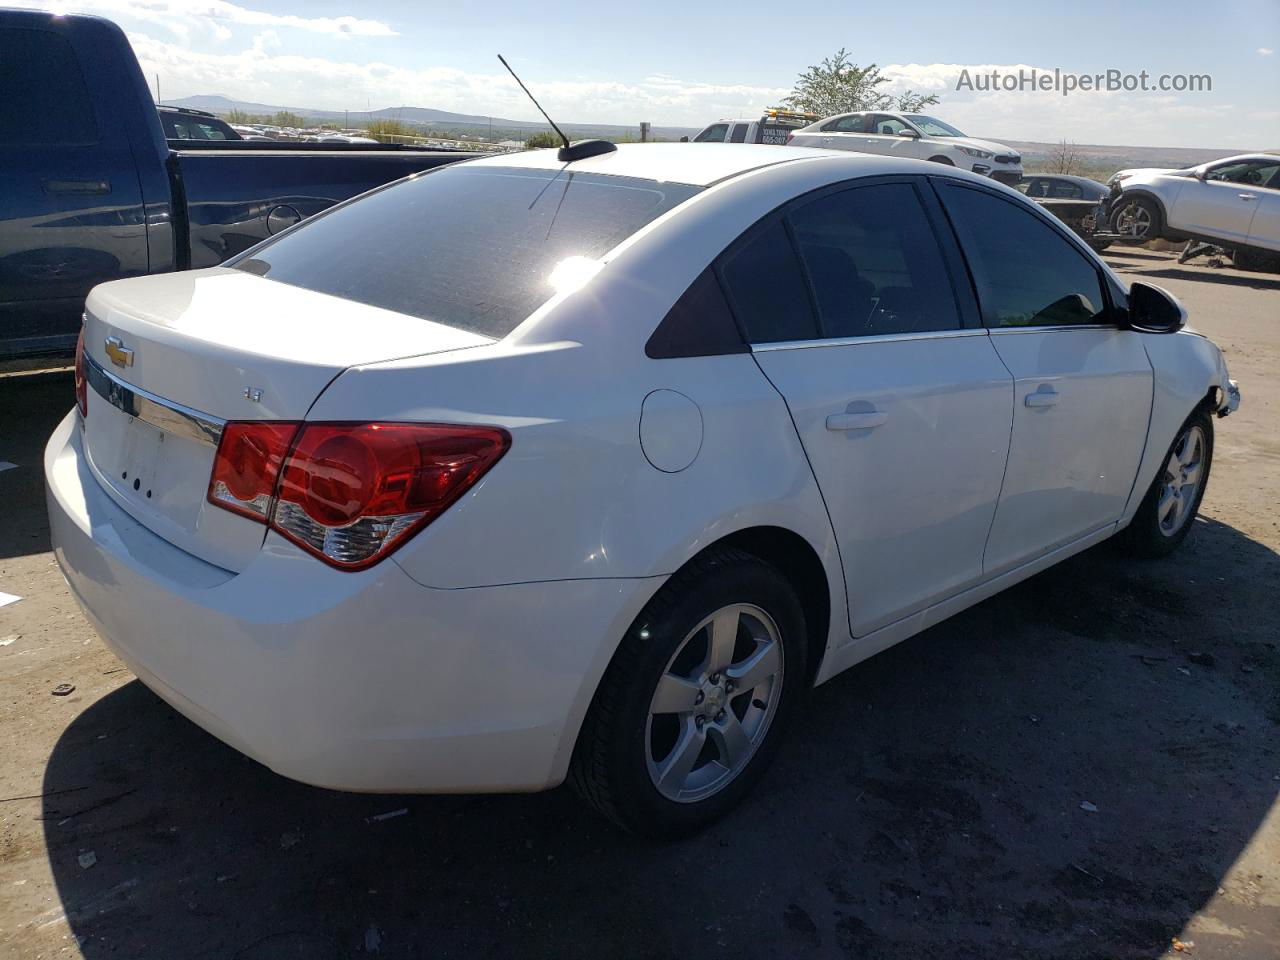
(350,493)
(246,466)
(82,382)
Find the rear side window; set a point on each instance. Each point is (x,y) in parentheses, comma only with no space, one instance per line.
(854,124)
(874,263)
(767,288)
(699,325)
(739,134)
(1027,274)
(45,99)
(479,248)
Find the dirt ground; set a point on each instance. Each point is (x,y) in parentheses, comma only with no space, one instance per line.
(1086,766)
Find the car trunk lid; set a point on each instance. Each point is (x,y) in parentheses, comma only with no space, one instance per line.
(172,358)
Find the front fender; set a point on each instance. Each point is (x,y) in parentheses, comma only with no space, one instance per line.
(1188,370)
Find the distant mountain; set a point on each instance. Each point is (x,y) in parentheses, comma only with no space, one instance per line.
(425,117)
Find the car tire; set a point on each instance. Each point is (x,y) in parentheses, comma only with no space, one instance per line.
(1147,213)
(943,160)
(670,772)
(1168,510)
(1098,245)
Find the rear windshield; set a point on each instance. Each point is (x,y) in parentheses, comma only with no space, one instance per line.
(473,247)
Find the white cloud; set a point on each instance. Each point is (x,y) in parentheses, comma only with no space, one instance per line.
(180,16)
(1266,51)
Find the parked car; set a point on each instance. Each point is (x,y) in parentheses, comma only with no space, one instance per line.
(1234,202)
(596,476)
(773,126)
(1061,186)
(1078,202)
(93,191)
(912,135)
(249,133)
(183,123)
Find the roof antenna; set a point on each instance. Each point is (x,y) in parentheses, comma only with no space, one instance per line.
(570,151)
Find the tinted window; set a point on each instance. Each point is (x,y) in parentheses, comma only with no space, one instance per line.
(699,325)
(474,247)
(739,133)
(1027,273)
(179,126)
(874,262)
(767,289)
(45,100)
(1254,173)
(713,134)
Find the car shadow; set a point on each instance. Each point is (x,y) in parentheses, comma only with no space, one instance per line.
(31,405)
(1251,280)
(1066,770)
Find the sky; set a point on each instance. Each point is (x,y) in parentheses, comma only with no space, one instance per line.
(687,64)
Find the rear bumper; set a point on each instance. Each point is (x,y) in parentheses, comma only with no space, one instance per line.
(362,681)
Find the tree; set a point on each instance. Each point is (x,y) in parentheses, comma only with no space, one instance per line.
(543,138)
(1064,158)
(838,86)
(286,119)
(387,130)
(239,116)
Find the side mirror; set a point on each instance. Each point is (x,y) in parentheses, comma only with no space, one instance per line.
(909,134)
(684,139)
(1154,310)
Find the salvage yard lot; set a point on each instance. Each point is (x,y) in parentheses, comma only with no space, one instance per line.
(1085,766)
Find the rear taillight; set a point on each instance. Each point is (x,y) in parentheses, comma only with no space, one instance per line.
(246,466)
(82,382)
(790,136)
(350,493)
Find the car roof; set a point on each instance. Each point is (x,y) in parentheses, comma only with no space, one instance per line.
(697,164)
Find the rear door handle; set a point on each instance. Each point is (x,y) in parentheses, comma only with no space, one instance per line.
(1247,196)
(856,421)
(1046,396)
(77,186)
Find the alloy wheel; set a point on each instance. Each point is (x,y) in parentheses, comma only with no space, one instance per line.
(714,702)
(1183,476)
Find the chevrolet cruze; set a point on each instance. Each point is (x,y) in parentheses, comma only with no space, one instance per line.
(524,470)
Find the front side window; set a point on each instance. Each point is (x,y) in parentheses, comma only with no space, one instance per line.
(475,247)
(1253,173)
(713,134)
(874,263)
(45,98)
(1065,190)
(889,126)
(1027,274)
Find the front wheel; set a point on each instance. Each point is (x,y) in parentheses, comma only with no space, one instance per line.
(1165,517)
(691,709)
(1137,218)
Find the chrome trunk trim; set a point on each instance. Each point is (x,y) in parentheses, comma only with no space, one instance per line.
(163,414)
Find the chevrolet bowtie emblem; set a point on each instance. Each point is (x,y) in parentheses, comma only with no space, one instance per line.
(120,355)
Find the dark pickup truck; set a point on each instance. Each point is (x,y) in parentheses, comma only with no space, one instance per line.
(90,189)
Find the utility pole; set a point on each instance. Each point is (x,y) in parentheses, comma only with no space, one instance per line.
(644,131)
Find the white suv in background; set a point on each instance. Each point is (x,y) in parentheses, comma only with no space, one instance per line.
(912,135)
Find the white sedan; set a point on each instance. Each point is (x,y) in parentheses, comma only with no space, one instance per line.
(521,470)
(1234,202)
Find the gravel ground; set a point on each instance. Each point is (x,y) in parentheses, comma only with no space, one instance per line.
(1086,766)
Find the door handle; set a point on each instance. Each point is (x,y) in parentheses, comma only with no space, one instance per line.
(1044,397)
(856,421)
(77,186)
(1247,196)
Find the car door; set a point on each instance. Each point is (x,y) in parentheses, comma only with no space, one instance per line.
(70,201)
(1264,230)
(843,133)
(861,318)
(1083,385)
(1221,205)
(884,135)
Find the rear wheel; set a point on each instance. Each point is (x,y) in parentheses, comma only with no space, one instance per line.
(945,160)
(1165,517)
(692,707)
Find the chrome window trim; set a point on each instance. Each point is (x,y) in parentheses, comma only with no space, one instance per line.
(163,414)
(1052,327)
(881,338)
